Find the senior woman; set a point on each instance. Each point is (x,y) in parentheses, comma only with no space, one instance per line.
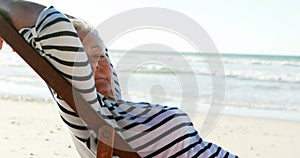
(152,130)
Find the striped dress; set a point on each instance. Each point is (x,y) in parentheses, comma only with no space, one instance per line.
(152,130)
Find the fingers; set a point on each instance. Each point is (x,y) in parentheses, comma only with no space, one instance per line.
(1,43)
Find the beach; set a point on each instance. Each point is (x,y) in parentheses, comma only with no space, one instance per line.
(259,117)
(255,137)
(33,129)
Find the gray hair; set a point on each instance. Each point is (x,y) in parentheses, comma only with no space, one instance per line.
(81,25)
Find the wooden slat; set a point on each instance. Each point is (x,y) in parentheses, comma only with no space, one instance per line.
(62,87)
(106,135)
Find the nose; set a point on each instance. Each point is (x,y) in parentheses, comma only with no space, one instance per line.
(103,67)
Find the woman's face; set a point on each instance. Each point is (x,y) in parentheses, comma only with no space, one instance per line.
(93,46)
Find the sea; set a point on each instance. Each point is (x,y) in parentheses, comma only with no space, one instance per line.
(260,86)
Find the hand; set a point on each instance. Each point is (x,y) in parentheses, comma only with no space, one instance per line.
(1,43)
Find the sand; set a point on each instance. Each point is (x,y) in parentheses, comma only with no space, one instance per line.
(254,137)
(31,129)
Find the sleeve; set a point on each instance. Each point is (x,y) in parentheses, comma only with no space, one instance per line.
(55,38)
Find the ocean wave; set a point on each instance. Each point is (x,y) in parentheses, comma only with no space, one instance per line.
(173,100)
(261,62)
(257,105)
(258,75)
(264,76)
(248,59)
(23,98)
(31,80)
(11,59)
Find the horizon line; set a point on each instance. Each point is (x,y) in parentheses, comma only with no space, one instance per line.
(221,53)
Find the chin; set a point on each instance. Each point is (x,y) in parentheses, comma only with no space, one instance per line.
(108,93)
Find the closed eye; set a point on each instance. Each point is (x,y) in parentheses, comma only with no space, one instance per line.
(96,59)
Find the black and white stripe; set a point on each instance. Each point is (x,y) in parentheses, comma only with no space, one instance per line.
(152,130)
(116,85)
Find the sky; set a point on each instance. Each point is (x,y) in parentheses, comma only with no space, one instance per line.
(235,26)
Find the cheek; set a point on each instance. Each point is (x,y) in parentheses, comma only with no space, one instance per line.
(104,67)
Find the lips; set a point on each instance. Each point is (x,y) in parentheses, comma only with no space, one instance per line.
(103,86)
(100,78)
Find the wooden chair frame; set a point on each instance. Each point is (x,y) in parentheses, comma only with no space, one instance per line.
(109,141)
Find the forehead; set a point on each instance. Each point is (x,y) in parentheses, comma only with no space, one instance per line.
(92,43)
(91,37)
